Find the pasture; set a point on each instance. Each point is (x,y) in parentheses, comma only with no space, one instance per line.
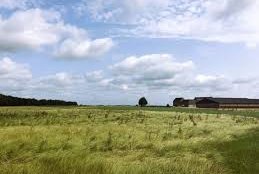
(127,140)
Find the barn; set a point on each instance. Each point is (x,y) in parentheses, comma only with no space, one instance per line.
(227,103)
(178,102)
(181,102)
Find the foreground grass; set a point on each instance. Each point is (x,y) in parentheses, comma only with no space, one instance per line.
(103,140)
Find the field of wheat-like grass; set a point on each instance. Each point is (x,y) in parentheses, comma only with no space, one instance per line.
(103,140)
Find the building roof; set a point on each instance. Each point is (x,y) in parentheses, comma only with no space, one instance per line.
(233,100)
(200,98)
(178,99)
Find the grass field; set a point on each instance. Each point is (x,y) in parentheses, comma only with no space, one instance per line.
(127,140)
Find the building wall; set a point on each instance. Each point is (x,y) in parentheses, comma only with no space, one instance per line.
(178,102)
(216,105)
(239,105)
(207,105)
(192,106)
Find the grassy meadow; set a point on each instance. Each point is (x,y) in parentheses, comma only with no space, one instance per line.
(127,140)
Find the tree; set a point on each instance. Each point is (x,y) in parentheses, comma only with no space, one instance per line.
(142,101)
(6,100)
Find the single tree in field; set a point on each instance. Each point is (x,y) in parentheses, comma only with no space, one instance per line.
(142,101)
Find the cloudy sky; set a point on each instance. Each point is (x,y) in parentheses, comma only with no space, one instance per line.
(115,51)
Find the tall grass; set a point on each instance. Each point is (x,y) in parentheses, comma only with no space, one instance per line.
(111,141)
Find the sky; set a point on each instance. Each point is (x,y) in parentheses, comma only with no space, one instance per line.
(113,52)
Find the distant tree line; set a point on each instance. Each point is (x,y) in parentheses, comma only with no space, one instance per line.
(16,101)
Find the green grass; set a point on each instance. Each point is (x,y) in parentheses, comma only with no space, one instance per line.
(127,140)
(243,112)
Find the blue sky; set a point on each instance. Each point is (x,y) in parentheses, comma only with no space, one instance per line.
(114,52)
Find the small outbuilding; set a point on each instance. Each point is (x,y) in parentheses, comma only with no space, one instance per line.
(227,103)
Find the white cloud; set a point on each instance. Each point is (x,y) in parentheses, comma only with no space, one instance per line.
(36,28)
(13,4)
(61,80)
(208,20)
(148,69)
(13,76)
(163,71)
(81,49)
(205,79)
(211,82)
(29,30)
(17,77)
(120,11)
(10,70)
(94,76)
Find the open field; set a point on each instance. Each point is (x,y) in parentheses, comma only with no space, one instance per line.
(127,140)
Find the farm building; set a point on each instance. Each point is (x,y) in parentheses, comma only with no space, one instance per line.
(227,103)
(200,98)
(178,102)
(181,102)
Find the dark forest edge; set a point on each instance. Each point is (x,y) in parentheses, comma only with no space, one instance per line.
(6,100)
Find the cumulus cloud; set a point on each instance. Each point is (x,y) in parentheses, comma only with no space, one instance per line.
(58,80)
(81,49)
(17,77)
(208,20)
(151,67)
(163,72)
(29,30)
(210,82)
(13,76)
(10,70)
(36,28)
